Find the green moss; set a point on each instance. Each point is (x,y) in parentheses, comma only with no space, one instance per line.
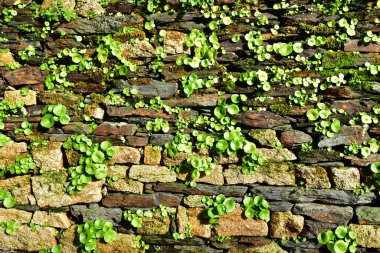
(281,109)
(339,59)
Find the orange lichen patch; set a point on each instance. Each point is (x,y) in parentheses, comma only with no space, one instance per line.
(6,58)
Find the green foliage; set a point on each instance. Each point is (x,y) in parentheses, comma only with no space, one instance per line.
(141,244)
(27,53)
(4,139)
(328,128)
(8,109)
(192,83)
(26,128)
(341,240)
(10,226)
(251,162)
(375,168)
(256,208)
(158,125)
(89,232)
(55,249)
(22,165)
(181,143)
(257,78)
(196,166)
(54,113)
(91,163)
(7,14)
(362,118)
(186,234)
(363,150)
(216,207)
(6,199)
(135,217)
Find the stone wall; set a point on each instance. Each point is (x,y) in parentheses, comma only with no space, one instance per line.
(282,98)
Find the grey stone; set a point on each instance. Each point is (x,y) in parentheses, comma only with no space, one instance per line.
(280,206)
(160,139)
(85,213)
(346,136)
(325,213)
(368,215)
(201,189)
(153,89)
(316,156)
(311,228)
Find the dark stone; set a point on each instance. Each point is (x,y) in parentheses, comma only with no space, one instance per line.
(141,201)
(120,128)
(206,100)
(153,89)
(346,136)
(114,215)
(114,111)
(316,156)
(76,127)
(294,138)
(25,76)
(325,213)
(164,240)
(280,206)
(311,229)
(263,119)
(160,139)
(201,189)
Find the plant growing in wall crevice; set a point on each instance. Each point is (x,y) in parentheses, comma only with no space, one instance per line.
(341,240)
(90,231)
(216,207)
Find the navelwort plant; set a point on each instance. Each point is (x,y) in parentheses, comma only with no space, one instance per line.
(54,113)
(26,128)
(256,208)
(192,83)
(89,232)
(22,165)
(375,168)
(363,150)
(216,207)
(341,240)
(10,226)
(158,125)
(6,199)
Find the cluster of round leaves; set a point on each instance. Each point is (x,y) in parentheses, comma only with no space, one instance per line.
(158,125)
(256,208)
(223,111)
(135,217)
(216,207)
(258,78)
(364,149)
(10,226)
(326,127)
(91,163)
(26,128)
(363,118)
(341,240)
(4,139)
(89,232)
(22,165)
(198,165)
(6,199)
(181,143)
(7,109)
(54,113)
(192,83)
(55,249)
(375,168)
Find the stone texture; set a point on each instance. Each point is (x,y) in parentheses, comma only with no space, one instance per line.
(215,178)
(277,155)
(15,97)
(25,76)
(182,219)
(311,229)
(124,243)
(14,214)
(49,157)
(10,151)
(368,215)
(193,201)
(152,156)
(174,43)
(233,224)
(294,138)
(202,189)
(138,51)
(125,155)
(85,213)
(346,136)
(367,235)
(119,128)
(149,173)
(49,190)
(354,45)
(345,178)
(68,240)
(126,185)
(325,213)
(156,225)
(272,174)
(119,171)
(89,8)
(285,224)
(6,58)
(199,227)
(52,219)
(141,200)
(67,4)
(263,119)
(25,239)
(264,137)
(271,247)
(153,88)
(20,187)
(313,176)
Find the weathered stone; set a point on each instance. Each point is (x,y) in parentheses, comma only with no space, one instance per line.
(353,45)
(49,190)
(9,152)
(160,139)
(114,111)
(126,185)
(143,201)
(25,76)
(368,215)
(277,155)
(119,171)
(193,201)
(285,224)
(20,188)
(85,213)
(280,206)
(174,43)
(94,110)
(233,224)
(311,229)
(153,89)
(294,138)
(273,174)
(262,119)
(264,137)
(15,97)
(225,159)
(68,240)
(89,8)
(76,127)
(346,136)
(325,213)
(182,219)
(122,244)
(6,58)
(26,239)
(316,156)
(150,173)
(156,225)
(152,156)
(14,214)
(345,178)
(176,160)
(206,100)
(138,51)
(201,189)
(119,128)
(49,157)
(49,4)
(67,99)
(52,219)
(313,176)
(356,161)
(326,196)
(271,247)
(367,235)
(350,106)
(199,227)
(215,178)
(125,155)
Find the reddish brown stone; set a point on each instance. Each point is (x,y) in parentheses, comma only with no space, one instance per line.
(199,227)
(152,156)
(354,45)
(206,100)
(130,200)
(169,200)
(263,119)
(325,213)
(339,92)
(136,141)
(294,138)
(363,162)
(114,111)
(25,76)
(350,106)
(87,88)
(120,128)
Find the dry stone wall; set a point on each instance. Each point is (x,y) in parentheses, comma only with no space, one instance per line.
(190,126)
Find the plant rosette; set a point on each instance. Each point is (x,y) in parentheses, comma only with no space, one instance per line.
(256,208)
(341,240)
(216,207)
(54,113)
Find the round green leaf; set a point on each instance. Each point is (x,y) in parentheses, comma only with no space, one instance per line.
(375,167)
(285,49)
(47,121)
(59,110)
(340,246)
(323,238)
(109,236)
(341,232)
(233,109)
(64,119)
(312,114)
(249,213)
(9,202)
(229,203)
(98,157)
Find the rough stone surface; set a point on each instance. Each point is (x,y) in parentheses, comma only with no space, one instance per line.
(6,58)
(277,155)
(15,97)
(25,76)
(368,215)
(89,8)
(345,178)
(313,176)
(264,137)
(271,247)
(156,225)
(233,224)
(367,235)
(174,43)
(48,4)
(68,240)
(346,136)
(49,157)
(49,190)
(199,227)
(14,214)
(10,151)
(27,240)
(285,224)
(119,171)
(325,213)
(182,219)
(20,188)
(123,244)
(263,119)
(311,228)
(126,185)
(120,128)
(113,215)
(152,156)
(52,219)
(215,178)
(294,138)
(274,174)
(149,173)
(125,155)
